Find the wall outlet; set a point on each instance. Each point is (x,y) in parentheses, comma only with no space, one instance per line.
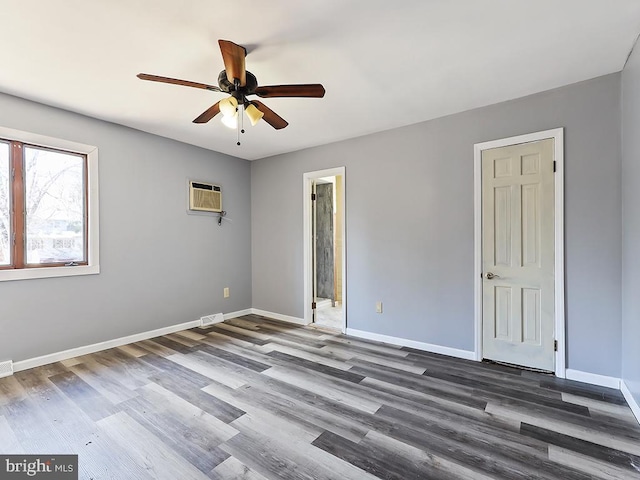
(226,292)
(378,307)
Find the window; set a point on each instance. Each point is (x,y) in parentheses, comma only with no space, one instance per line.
(48,207)
(5,206)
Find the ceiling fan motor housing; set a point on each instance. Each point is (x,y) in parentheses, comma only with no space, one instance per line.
(228,87)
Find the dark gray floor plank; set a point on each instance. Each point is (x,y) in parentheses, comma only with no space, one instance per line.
(194,395)
(178,371)
(354,346)
(470,370)
(233,358)
(589,391)
(288,339)
(309,365)
(419,384)
(239,336)
(609,455)
(377,461)
(172,344)
(467,364)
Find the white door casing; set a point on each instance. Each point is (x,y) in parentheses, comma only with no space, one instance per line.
(314,260)
(518,254)
(307,185)
(524,305)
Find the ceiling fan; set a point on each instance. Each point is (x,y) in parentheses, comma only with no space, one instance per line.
(239,83)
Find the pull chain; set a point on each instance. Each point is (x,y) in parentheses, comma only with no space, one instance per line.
(238,124)
(242,119)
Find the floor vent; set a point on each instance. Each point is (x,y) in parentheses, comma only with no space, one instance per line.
(6,368)
(212,319)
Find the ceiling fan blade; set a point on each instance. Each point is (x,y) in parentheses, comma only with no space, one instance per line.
(233,56)
(176,81)
(271,117)
(208,114)
(314,90)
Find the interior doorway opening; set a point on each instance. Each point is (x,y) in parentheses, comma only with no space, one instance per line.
(325,283)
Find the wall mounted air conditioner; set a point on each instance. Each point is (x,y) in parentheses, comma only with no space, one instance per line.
(205,197)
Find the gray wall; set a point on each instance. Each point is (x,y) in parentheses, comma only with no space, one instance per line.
(631,224)
(159,265)
(409,215)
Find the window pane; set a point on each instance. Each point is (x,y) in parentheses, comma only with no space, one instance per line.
(5,205)
(54,202)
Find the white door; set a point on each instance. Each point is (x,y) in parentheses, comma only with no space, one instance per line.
(518,254)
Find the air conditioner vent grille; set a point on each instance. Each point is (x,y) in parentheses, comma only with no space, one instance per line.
(205,197)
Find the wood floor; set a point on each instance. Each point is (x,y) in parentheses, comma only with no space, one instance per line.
(256,399)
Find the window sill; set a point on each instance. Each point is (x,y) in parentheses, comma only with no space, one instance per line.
(48,272)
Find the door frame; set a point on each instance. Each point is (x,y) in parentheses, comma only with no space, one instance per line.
(558,135)
(307,178)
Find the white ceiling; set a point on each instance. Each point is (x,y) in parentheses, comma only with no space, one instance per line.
(384,64)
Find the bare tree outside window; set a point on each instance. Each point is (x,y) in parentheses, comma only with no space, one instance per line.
(54,206)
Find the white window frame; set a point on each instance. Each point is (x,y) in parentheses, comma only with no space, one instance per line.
(93,227)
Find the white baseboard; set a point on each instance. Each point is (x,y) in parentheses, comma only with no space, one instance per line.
(96,347)
(239,313)
(593,378)
(279,316)
(635,408)
(427,347)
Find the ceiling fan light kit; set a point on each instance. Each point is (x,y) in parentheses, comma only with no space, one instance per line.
(253,113)
(229,106)
(239,83)
(230,121)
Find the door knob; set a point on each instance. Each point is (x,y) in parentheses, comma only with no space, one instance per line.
(491,276)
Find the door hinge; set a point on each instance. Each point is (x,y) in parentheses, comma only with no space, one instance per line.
(555,345)
(554,165)
(313,197)
(313,305)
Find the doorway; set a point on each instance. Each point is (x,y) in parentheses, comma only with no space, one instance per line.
(519,251)
(324,241)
